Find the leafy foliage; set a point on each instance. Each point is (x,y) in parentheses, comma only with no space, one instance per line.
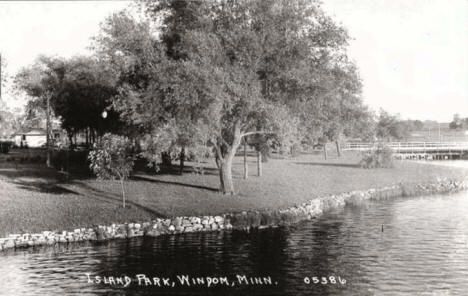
(380,157)
(235,68)
(79,89)
(4,77)
(9,122)
(391,127)
(458,122)
(112,157)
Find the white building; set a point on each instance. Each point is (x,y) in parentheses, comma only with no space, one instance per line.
(36,137)
(32,138)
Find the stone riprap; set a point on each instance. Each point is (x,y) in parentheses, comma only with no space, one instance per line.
(240,221)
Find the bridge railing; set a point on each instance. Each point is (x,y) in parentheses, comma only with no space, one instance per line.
(407,145)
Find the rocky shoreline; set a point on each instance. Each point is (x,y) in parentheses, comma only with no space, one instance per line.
(240,221)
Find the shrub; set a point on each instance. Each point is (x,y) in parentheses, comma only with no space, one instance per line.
(112,157)
(5,146)
(380,157)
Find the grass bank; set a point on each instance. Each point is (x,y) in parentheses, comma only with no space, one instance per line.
(32,199)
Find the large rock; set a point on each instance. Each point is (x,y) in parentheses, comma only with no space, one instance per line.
(153,232)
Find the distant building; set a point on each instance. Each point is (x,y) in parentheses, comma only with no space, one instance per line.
(35,137)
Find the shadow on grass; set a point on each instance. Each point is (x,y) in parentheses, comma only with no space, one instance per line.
(29,172)
(188,169)
(174,169)
(44,180)
(113,199)
(43,187)
(146,179)
(345,165)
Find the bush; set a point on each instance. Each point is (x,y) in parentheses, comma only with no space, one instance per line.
(381,157)
(112,158)
(5,146)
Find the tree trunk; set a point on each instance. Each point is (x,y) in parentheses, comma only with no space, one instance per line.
(225,177)
(123,191)
(325,150)
(48,132)
(70,140)
(224,160)
(338,149)
(259,163)
(166,159)
(68,163)
(246,167)
(93,135)
(182,158)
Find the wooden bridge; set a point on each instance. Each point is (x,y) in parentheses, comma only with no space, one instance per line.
(416,150)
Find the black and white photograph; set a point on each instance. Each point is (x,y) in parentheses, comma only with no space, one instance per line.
(234,147)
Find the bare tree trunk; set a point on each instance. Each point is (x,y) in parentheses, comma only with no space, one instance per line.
(182,158)
(88,136)
(166,159)
(68,164)
(93,135)
(70,140)
(246,167)
(48,132)
(259,163)
(338,149)
(225,174)
(224,161)
(325,154)
(123,191)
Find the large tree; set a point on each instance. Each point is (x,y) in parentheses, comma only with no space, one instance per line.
(78,90)
(83,93)
(9,121)
(3,76)
(458,122)
(39,82)
(235,68)
(391,127)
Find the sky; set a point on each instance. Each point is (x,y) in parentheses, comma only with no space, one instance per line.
(412,54)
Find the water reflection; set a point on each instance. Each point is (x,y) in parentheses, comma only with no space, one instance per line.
(423,248)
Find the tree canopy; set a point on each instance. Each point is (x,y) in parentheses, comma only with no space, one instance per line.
(232,69)
(391,127)
(199,74)
(79,90)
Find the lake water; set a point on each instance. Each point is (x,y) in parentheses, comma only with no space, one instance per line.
(412,246)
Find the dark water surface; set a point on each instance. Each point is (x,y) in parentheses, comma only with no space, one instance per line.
(422,250)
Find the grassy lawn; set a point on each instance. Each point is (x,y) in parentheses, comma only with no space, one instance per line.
(32,200)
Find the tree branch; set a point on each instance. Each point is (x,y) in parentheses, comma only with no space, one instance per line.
(217,148)
(255,133)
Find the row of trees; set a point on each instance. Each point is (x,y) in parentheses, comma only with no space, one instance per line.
(78,90)
(391,127)
(207,75)
(458,122)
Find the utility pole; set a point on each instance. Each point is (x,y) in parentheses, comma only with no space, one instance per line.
(440,139)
